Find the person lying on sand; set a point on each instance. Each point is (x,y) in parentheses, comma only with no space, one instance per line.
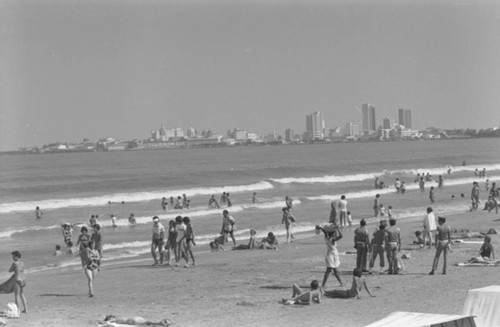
(358,282)
(304,298)
(136,321)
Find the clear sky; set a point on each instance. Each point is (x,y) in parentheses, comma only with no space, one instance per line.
(75,69)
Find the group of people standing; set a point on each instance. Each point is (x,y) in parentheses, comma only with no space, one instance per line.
(179,204)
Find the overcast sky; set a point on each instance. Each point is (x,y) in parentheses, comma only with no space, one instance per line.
(75,69)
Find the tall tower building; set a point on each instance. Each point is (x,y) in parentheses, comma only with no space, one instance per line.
(387,123)
(369,121)
(315,126)
(289,135)
(404,116)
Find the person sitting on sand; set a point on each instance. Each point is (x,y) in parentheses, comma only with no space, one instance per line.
(251,242)
(304,298)
(270,242)
(486,251)
(358,283)
(216,244)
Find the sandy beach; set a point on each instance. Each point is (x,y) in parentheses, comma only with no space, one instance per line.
(244,288)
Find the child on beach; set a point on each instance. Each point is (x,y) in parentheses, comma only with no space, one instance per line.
(332,259)
(358,283)
(389,211)
(17,282)
(251,242)
(486,252)
(58,251)
(269,243)
(189,238)
(349,219)
(113,220)
(382,210)
(304,298)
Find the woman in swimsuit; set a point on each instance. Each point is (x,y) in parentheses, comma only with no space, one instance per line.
(90,259)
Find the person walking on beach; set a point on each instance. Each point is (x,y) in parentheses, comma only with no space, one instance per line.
(83,240)
(343,211)
(443,241)
(180,229)
(157,240)
(90,258)
(376,205)
(171,247)
(377,248)
(333,214)
(227,226)
(361,244)
(97,239)
(332,258)
(16,282)
(288,219)
(38,213)
(429,227)
(474,196)
(189,238)
(432,195)
(393,246)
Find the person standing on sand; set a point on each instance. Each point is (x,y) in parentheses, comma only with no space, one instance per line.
(429,227)
(227,226)
(474,196)
(288,219)
(443,241)
(157,240)
(440,181)
(376,205)
(361,244)
(332,258)
(38,213)
(421,184)
(393,246)
(16,282)
(180,228)
(83,239)
(97,239)
(343,211)
(90,258)
(333,214)
(432,195)
(377,248)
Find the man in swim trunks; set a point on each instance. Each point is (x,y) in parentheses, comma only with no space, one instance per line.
(443,241)
(358,283)
(227,226)
(393,246)
(157,240)
(343,211)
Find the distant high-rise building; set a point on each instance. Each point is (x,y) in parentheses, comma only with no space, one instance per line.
(289,134)
(387,123)
(404,118)
(369,121)
(191,132)
(352,130)
(315,126)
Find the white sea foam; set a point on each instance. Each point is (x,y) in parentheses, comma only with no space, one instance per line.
(368,176)
(129,197)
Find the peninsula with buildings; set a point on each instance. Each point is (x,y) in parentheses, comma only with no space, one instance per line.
(316,132)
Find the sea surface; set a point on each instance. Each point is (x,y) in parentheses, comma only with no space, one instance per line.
(70,187)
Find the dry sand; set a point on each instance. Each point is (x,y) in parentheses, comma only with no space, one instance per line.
(229,288)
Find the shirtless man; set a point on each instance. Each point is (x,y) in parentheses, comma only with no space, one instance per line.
(377,248)
(304,298)
(358,283)
(474,196)
(343,211)
(227,226)
(393,246)
(443,241)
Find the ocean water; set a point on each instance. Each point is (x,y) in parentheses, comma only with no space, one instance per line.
(71,187)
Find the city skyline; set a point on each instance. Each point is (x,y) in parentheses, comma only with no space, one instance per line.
(75,70)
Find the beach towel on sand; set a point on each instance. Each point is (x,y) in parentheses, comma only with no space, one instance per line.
(8,286)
